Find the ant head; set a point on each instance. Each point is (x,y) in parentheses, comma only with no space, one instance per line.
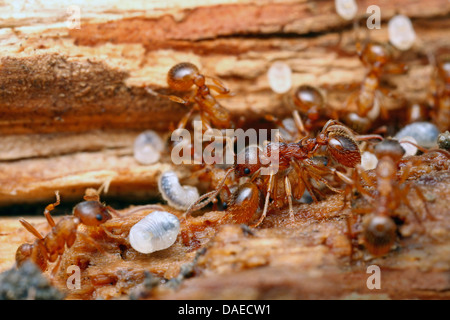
(182,76)
(389,148)
(379,234)
(23,253)
(308,97)
(248,162)
(91,213)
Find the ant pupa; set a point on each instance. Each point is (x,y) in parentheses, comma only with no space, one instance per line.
(346,9)
(177,196)
(401,32)
(148,147)
(280,77)
(156,231)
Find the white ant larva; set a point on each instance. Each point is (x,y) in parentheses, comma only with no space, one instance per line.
(148,147)
(280,77)
(401,32)
(177,196)
(346,8)
(157,231)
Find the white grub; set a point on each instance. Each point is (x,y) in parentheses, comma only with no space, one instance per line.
(148,147)
(346,8)
(410,149)
(177,196)
(157,231)
(280,77)
(369,161)
(401,32)
(424,132)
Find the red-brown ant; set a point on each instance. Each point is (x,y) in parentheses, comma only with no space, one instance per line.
(294,167)
(390,189)
(182,77)
(64,233)
(375,57)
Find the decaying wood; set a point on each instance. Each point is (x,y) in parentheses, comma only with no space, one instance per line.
(309,258)
(73,100)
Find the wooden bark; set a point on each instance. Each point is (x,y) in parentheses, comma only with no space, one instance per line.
(73,100)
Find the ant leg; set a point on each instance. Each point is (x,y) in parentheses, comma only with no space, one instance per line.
(287,186)
(405,173)
(197,205)
(49,208)
(299,123)
(93,242)
(31,229)
(310,188)
(56,267)
(424,200)
(403,194)
(266,202)
(184,120)
(304,179)
(220,88)
(170,97)
(363,137)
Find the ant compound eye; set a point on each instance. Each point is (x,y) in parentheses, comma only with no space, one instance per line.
(247,171)
(99,217)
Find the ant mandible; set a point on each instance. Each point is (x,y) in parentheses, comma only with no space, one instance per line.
(376,57)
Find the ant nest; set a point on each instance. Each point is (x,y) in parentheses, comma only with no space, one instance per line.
(351,174)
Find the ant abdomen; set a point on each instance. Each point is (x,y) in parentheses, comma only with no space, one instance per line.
(243,205)
(379,234)
(181,77)
(310,101)
(35,252)
(343,148)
